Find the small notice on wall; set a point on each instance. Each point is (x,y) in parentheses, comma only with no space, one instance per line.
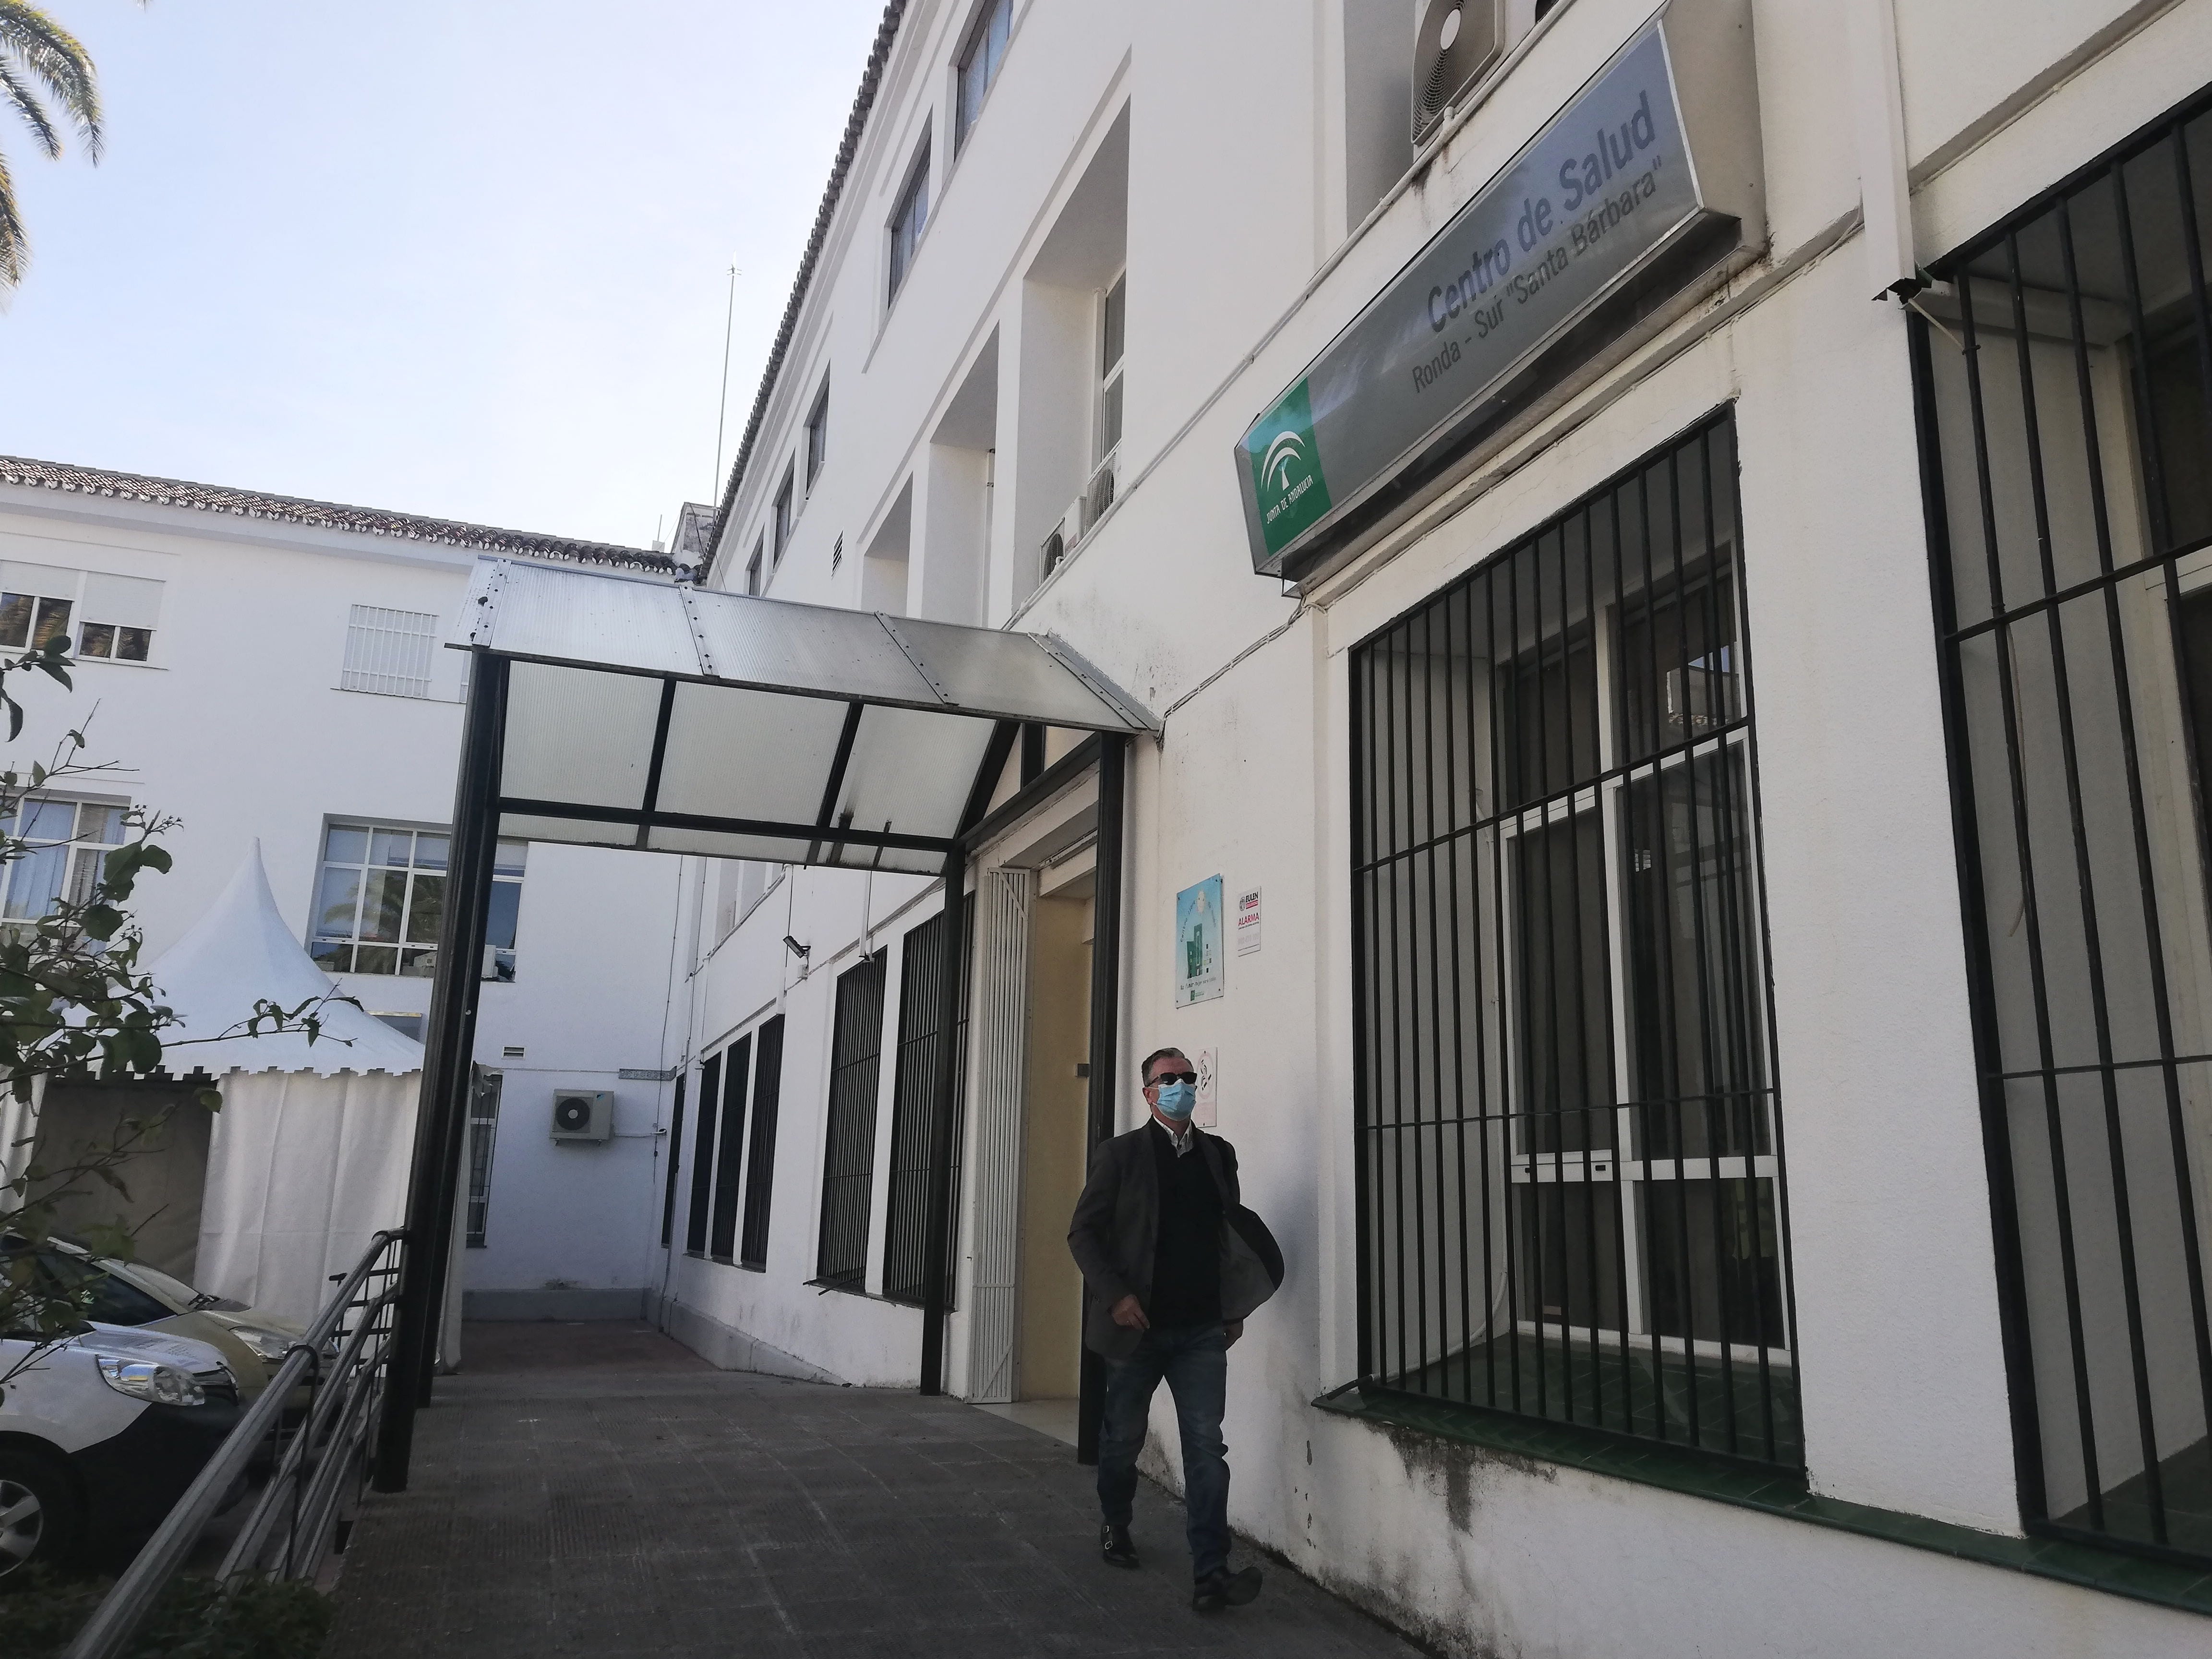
(1248,923)
(1198,943)
(1208,1113)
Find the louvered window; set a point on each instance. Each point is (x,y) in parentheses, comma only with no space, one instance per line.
(389,651)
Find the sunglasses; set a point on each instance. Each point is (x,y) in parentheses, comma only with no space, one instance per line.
(1172,1077)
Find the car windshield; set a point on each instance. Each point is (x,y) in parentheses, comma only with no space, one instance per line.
(114,1300)
(161,1285)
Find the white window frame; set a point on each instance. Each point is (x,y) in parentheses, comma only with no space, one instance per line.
(337,950)
(82,854)
(818,434)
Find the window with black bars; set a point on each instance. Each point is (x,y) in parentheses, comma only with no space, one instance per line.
(1569,1155)
(849,1159)
(914,1110)
(2062,366)
(737,1072)
(703,1156)
(484,1130)
(675,1166)
(760,1156)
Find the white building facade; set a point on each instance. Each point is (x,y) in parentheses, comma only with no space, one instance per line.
(270,670)
(1673,835)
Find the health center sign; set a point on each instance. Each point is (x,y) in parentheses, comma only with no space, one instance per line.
(1616,180)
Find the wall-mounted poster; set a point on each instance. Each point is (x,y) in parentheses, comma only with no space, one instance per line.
(1207,1113)
(1198,943)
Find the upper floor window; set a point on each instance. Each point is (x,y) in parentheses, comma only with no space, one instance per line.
(979,65)
(753,567)
(382,900)
(389,651)
(908,219)
(782,518)
(1098,495)
(112,617)
(66,843)
(818,436)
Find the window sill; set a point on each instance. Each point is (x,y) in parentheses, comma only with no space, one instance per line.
(1775,1492)
(115,662)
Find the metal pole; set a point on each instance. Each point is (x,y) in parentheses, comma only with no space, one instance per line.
(1105,1033)
(440,1114)
(936,1246)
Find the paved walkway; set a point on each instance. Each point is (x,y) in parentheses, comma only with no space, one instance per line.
(598,1489)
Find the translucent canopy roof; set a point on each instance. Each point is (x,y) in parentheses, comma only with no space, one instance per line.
(645,714)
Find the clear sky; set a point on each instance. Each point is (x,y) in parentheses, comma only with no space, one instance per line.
(466,258)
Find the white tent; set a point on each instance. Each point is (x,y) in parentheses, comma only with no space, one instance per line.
(310,1153)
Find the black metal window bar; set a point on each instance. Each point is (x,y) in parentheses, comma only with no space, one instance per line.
(848,1160)
(760,1156)
(1570,1159)
(674,1163)
(2063,374)
(914,1110)
(703,1156)
(736,1076)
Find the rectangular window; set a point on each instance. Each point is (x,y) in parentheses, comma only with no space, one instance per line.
(909,219)
(737,1074)
(978,66)
(389,651)
(848,1160)
(2065,405)
(675,1164)
(118,614)
(1570,1176)
(914,1110)
(1098,495)
(755,566)
(703,1156)
(483,1128)
(783,500)
(818,436)
(381,900)
(760,1156)
(66,846)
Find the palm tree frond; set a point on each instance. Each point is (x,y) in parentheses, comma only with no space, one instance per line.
(26,104)
(55,57)
(15,245)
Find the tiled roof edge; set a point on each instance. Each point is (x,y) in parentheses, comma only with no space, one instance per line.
(325,515)
(855,123)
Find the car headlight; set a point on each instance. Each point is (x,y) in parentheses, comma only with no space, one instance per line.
(269,1346)
(142,1379)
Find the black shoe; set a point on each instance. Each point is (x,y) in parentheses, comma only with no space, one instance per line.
(1115,1547)
(1227,1589)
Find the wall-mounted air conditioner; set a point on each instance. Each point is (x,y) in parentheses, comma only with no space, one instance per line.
(1098,495)
(586,1115)
(1060,540)
(1454,42)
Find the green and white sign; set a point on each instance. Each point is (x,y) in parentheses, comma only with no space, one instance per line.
(1599,194)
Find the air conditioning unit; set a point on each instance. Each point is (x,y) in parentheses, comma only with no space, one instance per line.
(1455,41)
(1061,539)
(1098,493)
(583,1115)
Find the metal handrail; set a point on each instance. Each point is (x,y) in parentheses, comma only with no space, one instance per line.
(332,1434)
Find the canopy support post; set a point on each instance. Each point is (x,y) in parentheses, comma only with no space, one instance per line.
(1105,1034)
(441,1114)
(936,1251)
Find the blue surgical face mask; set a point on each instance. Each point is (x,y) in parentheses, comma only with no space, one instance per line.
(1177,1100)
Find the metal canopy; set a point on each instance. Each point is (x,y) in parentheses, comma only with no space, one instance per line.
(643,714)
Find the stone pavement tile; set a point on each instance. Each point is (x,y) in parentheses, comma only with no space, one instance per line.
(679,1514)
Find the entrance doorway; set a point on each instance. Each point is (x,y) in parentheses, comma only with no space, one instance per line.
(1033,1106)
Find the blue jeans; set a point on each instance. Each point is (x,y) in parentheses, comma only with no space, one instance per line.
(1194,1360)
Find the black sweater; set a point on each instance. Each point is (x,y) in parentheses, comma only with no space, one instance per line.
(1187,1260)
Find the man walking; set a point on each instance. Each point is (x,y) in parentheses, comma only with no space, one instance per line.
(1149,1236)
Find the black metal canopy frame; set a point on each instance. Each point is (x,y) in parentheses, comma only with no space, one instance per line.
(612,711)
